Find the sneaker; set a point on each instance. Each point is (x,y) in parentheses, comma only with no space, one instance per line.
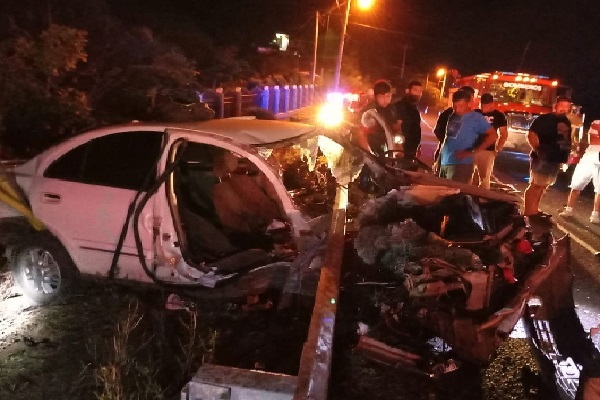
(568,212)
(595,217)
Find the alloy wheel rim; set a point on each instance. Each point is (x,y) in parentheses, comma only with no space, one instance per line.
(40,272)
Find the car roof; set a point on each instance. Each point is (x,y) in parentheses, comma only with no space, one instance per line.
(244,130)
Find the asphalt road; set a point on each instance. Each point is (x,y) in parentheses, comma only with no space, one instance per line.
(513,168)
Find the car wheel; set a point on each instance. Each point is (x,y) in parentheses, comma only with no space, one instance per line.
(42,268)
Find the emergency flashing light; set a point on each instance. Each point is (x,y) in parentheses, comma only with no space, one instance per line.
(554,83)
(526,79)
(335,97)
(519,78)
(533,80)
(514,74)
(495,76)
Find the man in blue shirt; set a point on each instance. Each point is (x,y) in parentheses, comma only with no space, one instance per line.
(463,138)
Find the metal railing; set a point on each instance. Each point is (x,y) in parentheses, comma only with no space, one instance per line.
(277,99)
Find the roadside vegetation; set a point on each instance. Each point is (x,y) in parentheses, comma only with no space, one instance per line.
(71,65)
(111,343)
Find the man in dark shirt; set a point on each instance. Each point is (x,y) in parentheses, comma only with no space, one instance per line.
(440,126)
(376,135)
(550,140)
(409,119)
(483,161)
(377,121)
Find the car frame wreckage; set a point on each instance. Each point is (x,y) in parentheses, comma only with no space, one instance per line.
(455,260)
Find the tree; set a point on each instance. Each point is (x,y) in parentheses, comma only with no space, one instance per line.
(39,101)
(58,52)
(131,91)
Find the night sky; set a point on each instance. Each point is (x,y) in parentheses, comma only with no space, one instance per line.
(556,38)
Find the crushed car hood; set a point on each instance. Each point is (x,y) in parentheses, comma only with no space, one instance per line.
(254,132)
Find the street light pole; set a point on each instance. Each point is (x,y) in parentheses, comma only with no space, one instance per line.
(444,72)
(314,68)
(338,65)
(443,85)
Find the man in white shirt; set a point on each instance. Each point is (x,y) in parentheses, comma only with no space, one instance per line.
(588,169)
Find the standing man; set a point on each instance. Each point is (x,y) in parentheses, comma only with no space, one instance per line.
(441,123)
(550,139)
(463,132)
(588,169)
(375,134)
(483,161)
(377,120)
(409,119)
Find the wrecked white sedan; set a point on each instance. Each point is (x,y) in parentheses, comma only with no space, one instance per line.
(183,205)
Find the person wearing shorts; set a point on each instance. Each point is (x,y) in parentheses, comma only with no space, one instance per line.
(586,171)
(550,141)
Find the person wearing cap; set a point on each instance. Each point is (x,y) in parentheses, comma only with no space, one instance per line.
(467,132)
(586,171)
(483,161)
(440,127)
(550,139)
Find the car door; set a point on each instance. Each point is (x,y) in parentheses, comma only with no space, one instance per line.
(83,197)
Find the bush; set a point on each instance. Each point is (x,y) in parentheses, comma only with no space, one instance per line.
(39,121)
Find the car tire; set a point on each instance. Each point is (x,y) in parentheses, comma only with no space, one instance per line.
(42,268)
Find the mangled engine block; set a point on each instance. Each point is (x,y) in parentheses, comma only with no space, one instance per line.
(451,262)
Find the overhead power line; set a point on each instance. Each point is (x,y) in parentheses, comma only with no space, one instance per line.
(395,32)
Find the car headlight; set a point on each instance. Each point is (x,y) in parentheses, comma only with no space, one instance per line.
(331,114)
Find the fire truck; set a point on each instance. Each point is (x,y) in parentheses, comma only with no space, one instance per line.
(522,97)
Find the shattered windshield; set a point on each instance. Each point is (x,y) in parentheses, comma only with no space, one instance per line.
(311,169)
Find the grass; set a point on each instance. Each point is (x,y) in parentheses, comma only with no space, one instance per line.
(151,354)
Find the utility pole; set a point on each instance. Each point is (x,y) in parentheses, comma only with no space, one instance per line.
(403,62)
(314,68)
(443,85)
(338,65)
